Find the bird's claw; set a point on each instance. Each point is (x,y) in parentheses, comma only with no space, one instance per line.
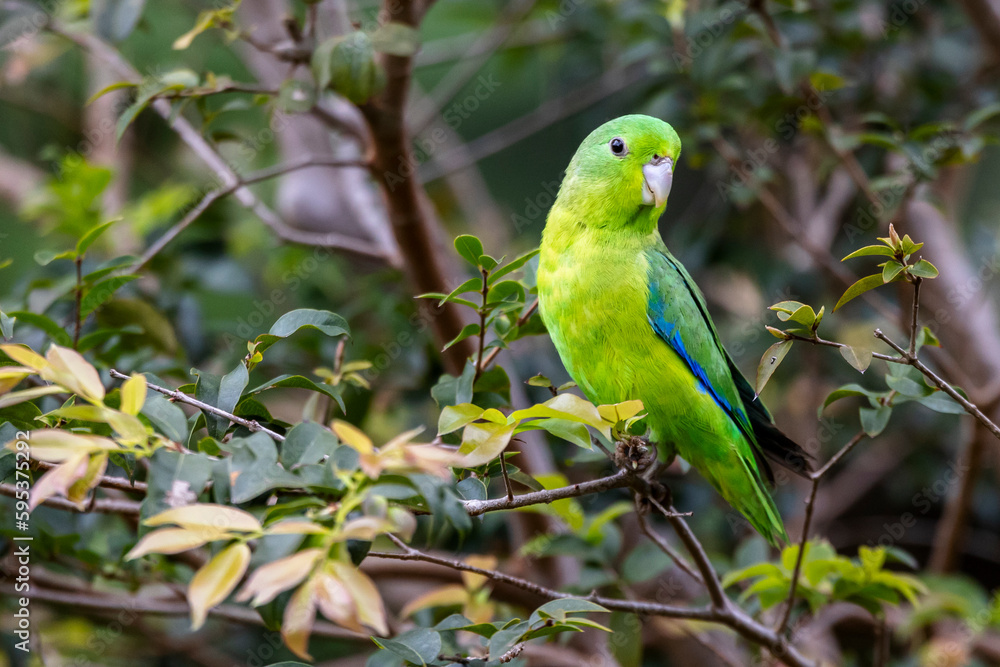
(634,453)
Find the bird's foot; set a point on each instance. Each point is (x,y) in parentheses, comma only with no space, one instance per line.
(634,453)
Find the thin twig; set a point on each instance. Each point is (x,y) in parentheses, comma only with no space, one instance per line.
(941,384)
(212,196)
(793,586)
(619,480)
(101,505)
(729,616)
(913,316)
(817,340)
(146,604)
(807,524)
(78,302)
(485,293)
(521,321)
(666,548)
(251,425)
(693,546)
(107,481)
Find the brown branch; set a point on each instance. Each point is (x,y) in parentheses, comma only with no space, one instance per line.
(106,481)
(914,310)
(176,395)
(100,505)
(728,615)
(394,168)
(521,321)
(665,547)
(619,480)
(941,384)
(226,176)
(807,523)
(144,604)
(210,197)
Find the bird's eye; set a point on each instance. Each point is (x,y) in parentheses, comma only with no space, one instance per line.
(618,146)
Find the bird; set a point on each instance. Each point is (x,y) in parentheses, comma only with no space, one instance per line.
(629,322)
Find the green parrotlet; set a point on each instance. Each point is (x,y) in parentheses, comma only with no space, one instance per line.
(630,323)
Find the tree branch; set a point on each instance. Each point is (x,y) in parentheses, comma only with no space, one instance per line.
(970,407)
(251,425)
(619,480)
(100,505)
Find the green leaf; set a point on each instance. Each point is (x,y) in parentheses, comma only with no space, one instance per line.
(891,271)
(167,418)
(559,609)
(469,248)
(174,478)
(538,381)
(300,382)
(54,331)
(750,572)
(420,646)
(467,331)
(295,96)
(846,391)
(397,39)
(770,362)
(101,292)
(514,265)
(45,257)
(860,287)
(980,116)
(88,239)
(222,393)
(923,269)
(254,469)
(908,385)
(503,640)
(506,289)
(306,443)
(882,250)
(7,326)
(926,337)
(941,402)
(329,323)
(858,357)
(470,285)
(454,417)
(874,420)
(118,85)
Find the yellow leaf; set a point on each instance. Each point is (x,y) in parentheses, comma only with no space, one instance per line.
(207,516)
(475,581)
(15,397)
(24,356)
(300,614)
(215,581)
(403,438)
(619,412)
(351,435)
(133,394)
(333,598)
(451,595)
(371,612)
(269,580)
(481,443)
(130,430)
(11,376)
(54,445)
(78,491)
(296,527)
(56,482)
(364,528)
(166,541)
(69,369)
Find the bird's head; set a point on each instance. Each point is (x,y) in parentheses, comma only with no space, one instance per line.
(621,174)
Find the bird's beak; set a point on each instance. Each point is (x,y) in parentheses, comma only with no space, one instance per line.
(658,174)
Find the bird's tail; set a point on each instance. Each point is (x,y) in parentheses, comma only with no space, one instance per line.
(739,481)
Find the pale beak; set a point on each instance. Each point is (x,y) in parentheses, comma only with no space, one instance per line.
(658,174)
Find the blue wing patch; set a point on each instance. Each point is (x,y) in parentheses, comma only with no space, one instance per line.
(668,332)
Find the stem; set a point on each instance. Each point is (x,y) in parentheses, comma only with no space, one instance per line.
(77,311)
(619,480)
(793,587)
(521,321)
(666,548)
(913,316)
(101,506)
(485,292)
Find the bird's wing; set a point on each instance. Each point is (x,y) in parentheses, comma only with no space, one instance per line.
(678,315)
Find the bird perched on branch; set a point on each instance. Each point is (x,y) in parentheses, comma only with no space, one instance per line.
(630,323)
